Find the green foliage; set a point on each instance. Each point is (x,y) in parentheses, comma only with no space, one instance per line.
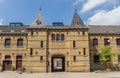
(106,54)
(13,68)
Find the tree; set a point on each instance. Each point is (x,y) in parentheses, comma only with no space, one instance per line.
(106,55)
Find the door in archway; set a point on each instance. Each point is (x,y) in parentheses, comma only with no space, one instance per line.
(58,63)
(18,61)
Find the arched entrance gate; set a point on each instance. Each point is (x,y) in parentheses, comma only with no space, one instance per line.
(58,63)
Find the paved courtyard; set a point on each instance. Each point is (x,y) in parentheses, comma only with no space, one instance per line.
(60,75)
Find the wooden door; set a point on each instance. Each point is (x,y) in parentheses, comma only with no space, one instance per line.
(7,64)
(18,64)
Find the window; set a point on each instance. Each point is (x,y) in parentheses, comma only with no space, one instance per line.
(57,37)
(74,44)
(23,30)
(53,37)
(32,33)
(7,42)
(95,41)
(96,59)
(12,31)
(84,51)
(83,33)
(74,58)
(18,57)
(7,57)
(20,42)
(62,37)
(106,41)
(118,58)
(41,58)
(118,41)
(31,51)
(41,44)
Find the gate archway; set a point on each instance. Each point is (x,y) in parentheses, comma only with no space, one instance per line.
(58,63)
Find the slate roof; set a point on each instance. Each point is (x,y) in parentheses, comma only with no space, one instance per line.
(56,27)
(93,29)
(104,29)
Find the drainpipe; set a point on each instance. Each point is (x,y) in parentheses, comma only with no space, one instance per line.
(47,50)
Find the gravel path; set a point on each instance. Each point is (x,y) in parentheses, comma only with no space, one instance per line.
(10,74)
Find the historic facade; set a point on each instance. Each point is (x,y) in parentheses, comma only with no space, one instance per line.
(57,47)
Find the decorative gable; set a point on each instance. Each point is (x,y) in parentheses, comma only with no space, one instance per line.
(77,21)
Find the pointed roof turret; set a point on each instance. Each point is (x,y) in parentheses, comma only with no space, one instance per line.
(77,21)
(38,20)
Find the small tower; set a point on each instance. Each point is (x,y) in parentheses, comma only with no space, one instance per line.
(77,21)
(38,20)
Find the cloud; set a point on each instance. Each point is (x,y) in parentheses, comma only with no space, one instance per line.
(90,4)
(1,21)
(104,17)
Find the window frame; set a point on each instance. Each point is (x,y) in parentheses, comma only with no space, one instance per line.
(7,42)
(20,42)
(74,58)
(31,51)
(41,44)
(58,37)
(95,41)
(53,37)
(106,41)
(96,59)
(118,41)
(62,37)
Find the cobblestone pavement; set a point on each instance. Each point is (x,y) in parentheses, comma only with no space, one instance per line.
(10,74)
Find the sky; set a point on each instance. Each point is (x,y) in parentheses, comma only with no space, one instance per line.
(92,12)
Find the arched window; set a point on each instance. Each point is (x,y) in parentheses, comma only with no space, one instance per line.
(62,37)
(57,37)
(53,37)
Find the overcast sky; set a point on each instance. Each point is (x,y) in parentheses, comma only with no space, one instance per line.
(92,12)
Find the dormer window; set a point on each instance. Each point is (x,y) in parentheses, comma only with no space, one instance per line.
(11,31)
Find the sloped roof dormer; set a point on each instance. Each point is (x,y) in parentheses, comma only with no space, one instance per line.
(38,20)
(77,21)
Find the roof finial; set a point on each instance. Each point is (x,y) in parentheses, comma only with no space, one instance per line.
(40,8)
